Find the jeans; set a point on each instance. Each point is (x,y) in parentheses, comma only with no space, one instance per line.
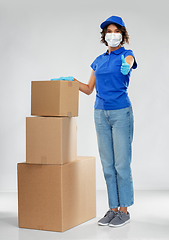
(114,130)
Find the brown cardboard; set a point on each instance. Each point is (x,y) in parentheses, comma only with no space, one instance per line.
(56,197)
(51,140)
(54,98)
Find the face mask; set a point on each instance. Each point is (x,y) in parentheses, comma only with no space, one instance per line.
(113,39)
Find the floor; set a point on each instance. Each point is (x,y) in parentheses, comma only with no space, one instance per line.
(149,220)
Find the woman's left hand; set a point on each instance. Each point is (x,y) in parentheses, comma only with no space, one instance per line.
(125,67)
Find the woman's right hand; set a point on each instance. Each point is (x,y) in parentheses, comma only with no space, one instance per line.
(87,88)
(70,78)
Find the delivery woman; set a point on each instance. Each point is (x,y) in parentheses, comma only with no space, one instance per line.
(114,118)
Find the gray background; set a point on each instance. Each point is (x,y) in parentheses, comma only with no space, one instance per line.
(45,39)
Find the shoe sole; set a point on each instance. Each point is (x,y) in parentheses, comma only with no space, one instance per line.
(103,224)
(120,225)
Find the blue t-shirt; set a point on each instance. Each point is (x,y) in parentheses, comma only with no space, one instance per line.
(111,85)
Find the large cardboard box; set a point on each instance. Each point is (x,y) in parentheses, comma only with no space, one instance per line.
(51,140)
(56,197)
(54,98)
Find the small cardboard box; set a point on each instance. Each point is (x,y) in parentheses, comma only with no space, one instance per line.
(56,197)
(54,98)
(51,140)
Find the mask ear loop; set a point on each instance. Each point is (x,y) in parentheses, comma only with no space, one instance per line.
(121,40)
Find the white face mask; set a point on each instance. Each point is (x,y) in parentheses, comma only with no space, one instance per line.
(113,39)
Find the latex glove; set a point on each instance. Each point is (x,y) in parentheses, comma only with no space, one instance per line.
(70,78)
(125,67)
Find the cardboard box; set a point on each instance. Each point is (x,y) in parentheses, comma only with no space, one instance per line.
(51,140)
(56,197)
(54,98)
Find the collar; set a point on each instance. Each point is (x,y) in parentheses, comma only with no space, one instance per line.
(117,52)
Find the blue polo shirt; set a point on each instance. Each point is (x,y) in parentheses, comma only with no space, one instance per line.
(111,85)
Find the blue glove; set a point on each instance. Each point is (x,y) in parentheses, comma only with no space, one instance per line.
(63,78)
(125,67)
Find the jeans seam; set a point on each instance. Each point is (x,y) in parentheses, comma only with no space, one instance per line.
(130,142)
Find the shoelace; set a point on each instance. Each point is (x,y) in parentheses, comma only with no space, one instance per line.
(108,212)
(119,214)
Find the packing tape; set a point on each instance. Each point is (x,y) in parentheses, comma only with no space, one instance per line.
(69,84)
(69,114)
(43,159)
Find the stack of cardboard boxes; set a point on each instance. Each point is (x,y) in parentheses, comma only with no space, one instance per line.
(56,189)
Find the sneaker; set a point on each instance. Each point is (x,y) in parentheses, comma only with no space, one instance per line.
(120,219)
(107,218)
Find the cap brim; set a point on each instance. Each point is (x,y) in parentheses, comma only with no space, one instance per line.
(104,24)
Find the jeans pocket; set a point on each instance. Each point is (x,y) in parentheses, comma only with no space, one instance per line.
(97,116)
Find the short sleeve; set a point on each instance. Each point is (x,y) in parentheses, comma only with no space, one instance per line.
(94,64)
(130,52)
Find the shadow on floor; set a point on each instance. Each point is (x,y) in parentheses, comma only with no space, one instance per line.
(8,220)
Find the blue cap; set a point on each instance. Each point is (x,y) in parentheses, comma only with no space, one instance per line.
(111,20)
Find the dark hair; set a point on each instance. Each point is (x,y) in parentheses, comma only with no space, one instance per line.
(125,35)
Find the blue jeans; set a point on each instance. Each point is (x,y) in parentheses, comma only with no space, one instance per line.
(114,135)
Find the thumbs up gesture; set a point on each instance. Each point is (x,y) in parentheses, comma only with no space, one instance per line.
(125,67)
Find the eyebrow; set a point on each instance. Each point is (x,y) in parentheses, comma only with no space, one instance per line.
(114,29)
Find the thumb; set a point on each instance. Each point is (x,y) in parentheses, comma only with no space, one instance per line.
(123,59)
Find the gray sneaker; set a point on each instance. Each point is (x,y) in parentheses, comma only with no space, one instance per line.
(120,219)
(107,218)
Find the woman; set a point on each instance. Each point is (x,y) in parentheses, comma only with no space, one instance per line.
(114,118)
